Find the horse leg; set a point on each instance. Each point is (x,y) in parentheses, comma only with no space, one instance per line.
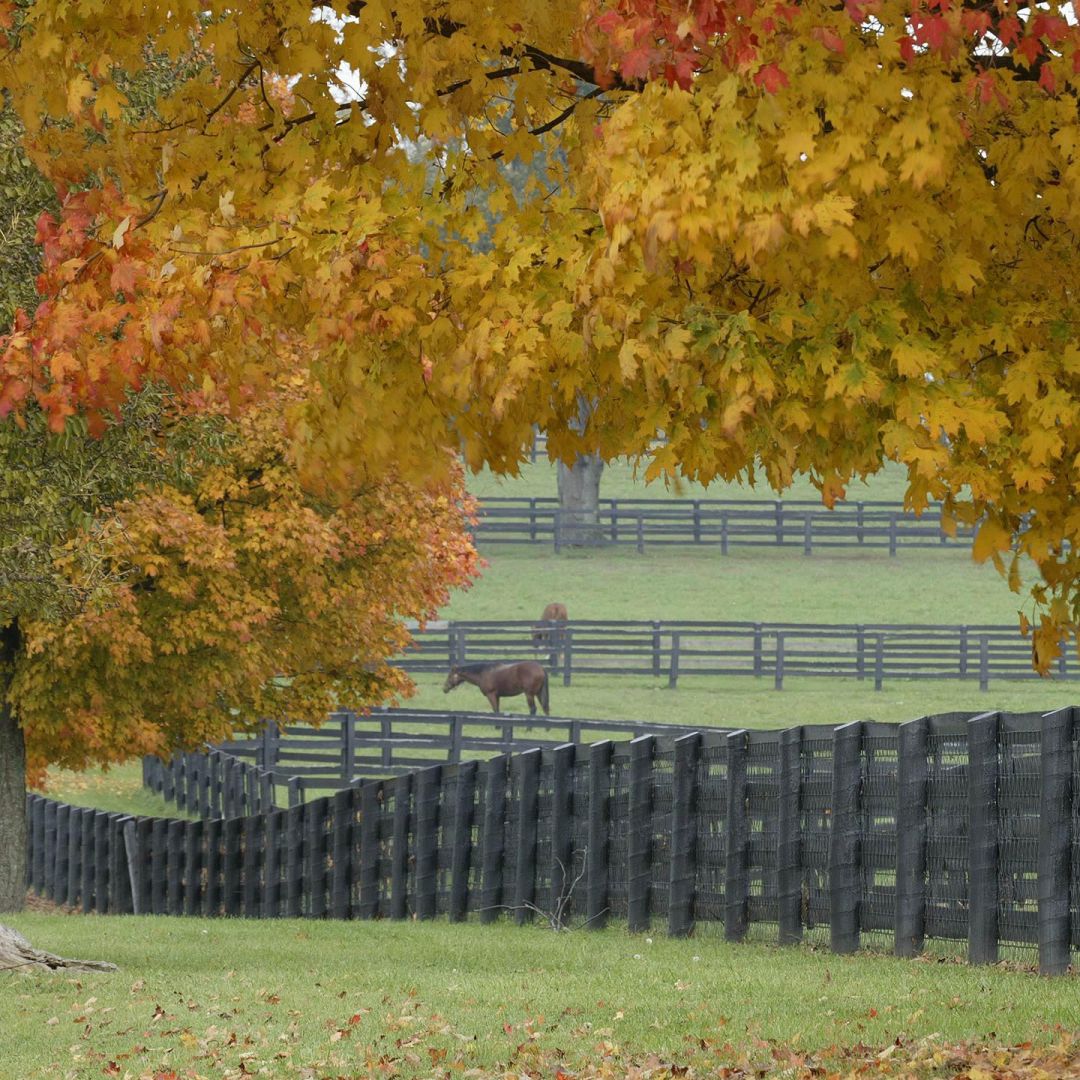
(532,703)
(493,698)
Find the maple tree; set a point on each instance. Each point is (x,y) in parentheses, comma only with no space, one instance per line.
(167,579)
(219,596)
(795,237)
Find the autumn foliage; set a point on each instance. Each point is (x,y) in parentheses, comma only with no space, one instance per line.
(240,601)
(796,238)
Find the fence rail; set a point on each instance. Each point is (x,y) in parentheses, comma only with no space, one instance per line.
(948,827)
(676,650)
(247,776)
(722,523)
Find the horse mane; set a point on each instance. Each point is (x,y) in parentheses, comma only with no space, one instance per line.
(479,669)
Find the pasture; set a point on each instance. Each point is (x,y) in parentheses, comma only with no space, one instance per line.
(228,998)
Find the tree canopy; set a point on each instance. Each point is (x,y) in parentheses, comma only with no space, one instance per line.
(793,237)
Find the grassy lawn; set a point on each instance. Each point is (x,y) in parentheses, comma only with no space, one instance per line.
(119,789)
(622,481)
(230,998)
(753,703)
(757,584)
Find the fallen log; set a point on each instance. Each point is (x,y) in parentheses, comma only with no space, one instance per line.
(17,954)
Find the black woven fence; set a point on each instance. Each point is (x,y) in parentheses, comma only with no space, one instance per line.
(946,828)
(721,523)
(286,766)
(674,650)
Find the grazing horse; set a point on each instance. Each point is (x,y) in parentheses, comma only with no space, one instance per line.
(504,680)
(553,613)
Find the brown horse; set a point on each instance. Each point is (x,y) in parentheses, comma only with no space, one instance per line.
(504,680)
(553,613)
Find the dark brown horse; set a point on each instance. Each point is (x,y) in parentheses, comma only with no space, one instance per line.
(504,680)
(541,634)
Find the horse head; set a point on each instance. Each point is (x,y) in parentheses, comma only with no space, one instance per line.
(452,680)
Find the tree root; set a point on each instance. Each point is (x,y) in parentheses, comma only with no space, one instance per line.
(17,954)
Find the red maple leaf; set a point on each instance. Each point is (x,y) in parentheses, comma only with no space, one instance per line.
(771,78)
(1030,48)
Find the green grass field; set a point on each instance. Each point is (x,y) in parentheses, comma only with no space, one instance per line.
(228,998)
(622,481)
(757,584)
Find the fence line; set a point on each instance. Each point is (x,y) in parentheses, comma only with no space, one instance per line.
(722,523)
(248,776)
(949,827)
(681,649)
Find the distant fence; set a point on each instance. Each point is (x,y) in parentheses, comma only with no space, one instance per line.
(246,776)
(673,650)
(721,523)
(951,827)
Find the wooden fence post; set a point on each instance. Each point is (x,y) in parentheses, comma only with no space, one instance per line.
(461,842)
(983,838)
(341,836)
(60,848)
(567,654)
(639,836)
(101,862)
(348,746)
(89,858)
(253,838)
(561,870)
(75,853)
(214,760)
(232,896)
(844,839)
(528,801)
(682,894)
(673,669)
(492,838)
(656,649)
(984,663)
(778,678)
(789,839)
(49,864)
(399,852)
(174,891)
(737,827)
(1055,841)
(193,866)
(371,796)
(134,858)
(426,801)
(598,856)
(294,861)
(159,857)
(315,814)
(122,889)
(912,779)
(272,837)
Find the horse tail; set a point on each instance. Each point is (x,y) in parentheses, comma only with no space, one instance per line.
(544,694)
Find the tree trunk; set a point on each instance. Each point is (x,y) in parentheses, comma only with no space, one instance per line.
(579,502)
(12,783)
(17,954)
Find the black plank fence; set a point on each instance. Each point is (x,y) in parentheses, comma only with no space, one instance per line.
(952,827)
(673,650)
(721,523)
(249,775)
